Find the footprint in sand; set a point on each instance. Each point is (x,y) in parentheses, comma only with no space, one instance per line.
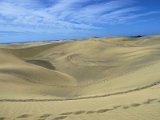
(103,110)
(152,100)
(24,116)
(2,118)
(135,105)
(90,112)
(66,113)
(146,102)
(60,118)
(149,101)
(125,107)
(79,112)
(116,107)
(45,115)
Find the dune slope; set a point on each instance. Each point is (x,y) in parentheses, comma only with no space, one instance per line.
(97,78)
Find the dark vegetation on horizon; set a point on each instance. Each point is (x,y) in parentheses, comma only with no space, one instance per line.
(136,36)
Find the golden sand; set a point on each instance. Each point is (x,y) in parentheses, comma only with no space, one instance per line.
(109,78)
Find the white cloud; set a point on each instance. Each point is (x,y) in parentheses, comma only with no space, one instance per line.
(63,14)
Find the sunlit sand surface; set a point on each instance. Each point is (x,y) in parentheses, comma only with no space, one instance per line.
(109,78)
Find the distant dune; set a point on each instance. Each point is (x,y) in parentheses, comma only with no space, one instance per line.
(114,78)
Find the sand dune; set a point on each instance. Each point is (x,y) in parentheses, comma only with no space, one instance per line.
(114,78)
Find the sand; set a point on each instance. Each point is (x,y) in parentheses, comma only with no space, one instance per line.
(114,78)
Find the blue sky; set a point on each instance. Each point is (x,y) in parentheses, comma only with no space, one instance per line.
(40,20)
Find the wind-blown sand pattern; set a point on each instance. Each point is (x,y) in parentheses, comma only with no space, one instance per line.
(115,78)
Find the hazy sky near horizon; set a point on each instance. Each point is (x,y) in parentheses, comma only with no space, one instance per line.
(36,20)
